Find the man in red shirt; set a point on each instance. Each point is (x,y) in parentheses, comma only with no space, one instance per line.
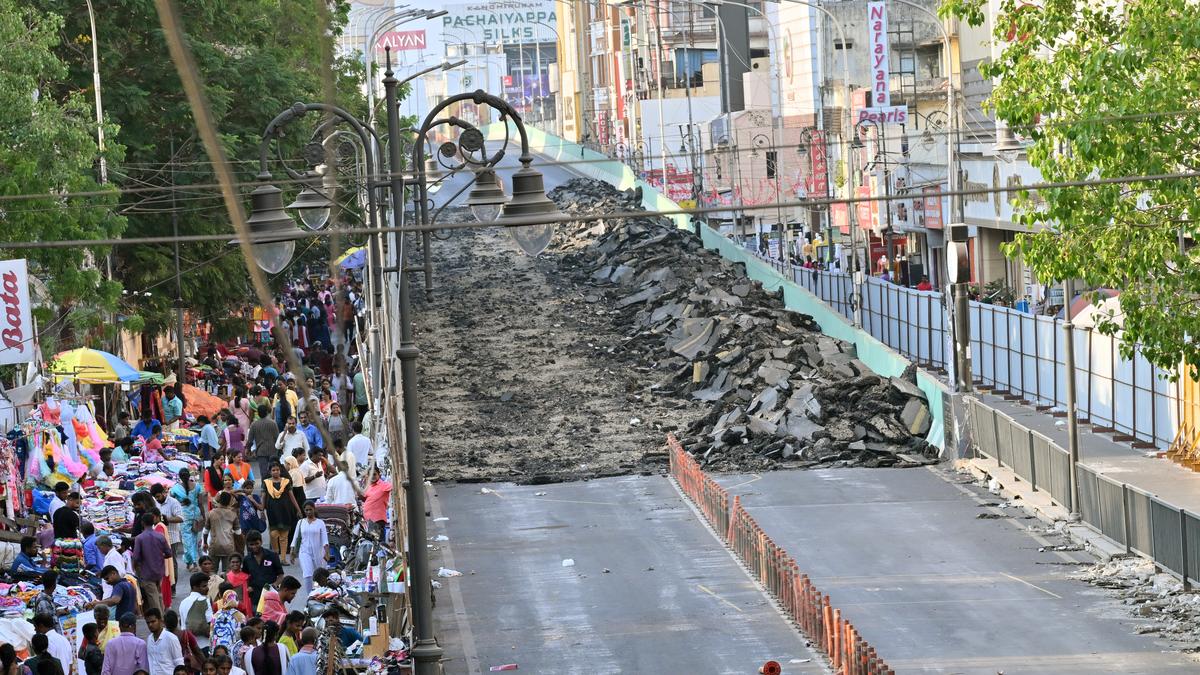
(375,504)
(924,285)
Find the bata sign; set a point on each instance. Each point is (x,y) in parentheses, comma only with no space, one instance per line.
(879,104)
(494,22)
(402,40)
(17,343)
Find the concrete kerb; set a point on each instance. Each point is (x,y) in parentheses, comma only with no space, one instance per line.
(1009,486)
(807,608)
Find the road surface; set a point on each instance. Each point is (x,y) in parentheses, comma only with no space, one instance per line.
(937,589)
(651,589)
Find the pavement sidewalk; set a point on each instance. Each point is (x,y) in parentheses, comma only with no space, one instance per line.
(1145,470)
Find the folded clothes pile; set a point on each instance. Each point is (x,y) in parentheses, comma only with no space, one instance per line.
(67,556)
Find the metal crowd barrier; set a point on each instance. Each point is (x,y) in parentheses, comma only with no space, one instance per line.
(777,571)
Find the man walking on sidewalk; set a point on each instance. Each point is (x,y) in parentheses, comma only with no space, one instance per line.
(150,553)
(261,441)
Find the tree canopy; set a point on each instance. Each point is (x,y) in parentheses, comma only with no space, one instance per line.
(1109,90)
(48,147)
(256,57)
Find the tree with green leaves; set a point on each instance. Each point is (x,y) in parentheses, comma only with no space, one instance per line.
(256,57)
(48,148)
(1109,90)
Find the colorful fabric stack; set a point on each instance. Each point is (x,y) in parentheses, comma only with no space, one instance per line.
(11,607)
(68,555)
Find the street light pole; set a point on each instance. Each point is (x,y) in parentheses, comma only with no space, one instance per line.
(425,651)
(1072,412)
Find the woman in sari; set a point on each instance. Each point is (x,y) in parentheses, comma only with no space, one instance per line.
(191,496)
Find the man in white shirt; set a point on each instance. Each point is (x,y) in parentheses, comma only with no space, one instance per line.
(172,515)
(60,647)
(342,490)
(195,612)
(290,439)
(162,647)
(61,490)
(314,474)
(360,445)
(111,557)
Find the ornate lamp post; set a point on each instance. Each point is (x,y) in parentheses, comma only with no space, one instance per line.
(274,230)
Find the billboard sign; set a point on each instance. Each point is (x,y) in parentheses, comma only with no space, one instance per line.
(879,101)
(402,41)
(17,339)
(511,22)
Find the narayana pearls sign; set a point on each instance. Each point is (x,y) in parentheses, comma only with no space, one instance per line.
(17,343)
(879,103)
(507,22)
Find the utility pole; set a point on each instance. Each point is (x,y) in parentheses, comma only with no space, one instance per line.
(181,367)
(1072,412)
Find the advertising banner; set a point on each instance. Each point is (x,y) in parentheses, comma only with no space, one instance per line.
(402,41)
(877,44)
(17,339)
(509,22)
(819,186)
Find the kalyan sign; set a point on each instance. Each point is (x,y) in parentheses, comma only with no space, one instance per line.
(402,40)
(17,343)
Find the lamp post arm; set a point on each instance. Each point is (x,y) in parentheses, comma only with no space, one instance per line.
(299,110)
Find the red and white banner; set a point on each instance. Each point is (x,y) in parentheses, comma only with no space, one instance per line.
(17,340)
(932,208)
(819,171)
(402,40)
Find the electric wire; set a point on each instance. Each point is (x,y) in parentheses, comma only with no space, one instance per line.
(540,220)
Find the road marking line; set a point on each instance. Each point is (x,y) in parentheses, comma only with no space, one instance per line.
(566,501)
(1050,593)
(734,487)
(709,591)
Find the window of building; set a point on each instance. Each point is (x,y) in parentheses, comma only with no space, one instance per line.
(689,66)
(772,160)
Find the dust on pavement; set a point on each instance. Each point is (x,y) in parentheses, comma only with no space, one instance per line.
(515,383)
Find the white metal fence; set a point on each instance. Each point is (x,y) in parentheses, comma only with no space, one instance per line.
(1014,353)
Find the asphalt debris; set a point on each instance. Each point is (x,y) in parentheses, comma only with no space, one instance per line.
(774,390)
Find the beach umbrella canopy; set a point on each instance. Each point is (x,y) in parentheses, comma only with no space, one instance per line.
(92,366)
(151,377)
(352,259)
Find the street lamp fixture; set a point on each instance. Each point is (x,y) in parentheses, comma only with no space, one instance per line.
(486,197)
(269,226)
(313,206)
(529,200)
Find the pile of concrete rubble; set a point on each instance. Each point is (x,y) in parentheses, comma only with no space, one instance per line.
(1159,601)
(778,389)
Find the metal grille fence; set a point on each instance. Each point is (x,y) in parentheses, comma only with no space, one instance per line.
(1132,517)
(1013,352)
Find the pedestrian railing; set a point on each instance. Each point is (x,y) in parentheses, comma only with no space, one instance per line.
(1138,520)
(1014,353)
(776,570)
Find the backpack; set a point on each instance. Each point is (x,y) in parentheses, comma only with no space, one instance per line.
(196,620)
